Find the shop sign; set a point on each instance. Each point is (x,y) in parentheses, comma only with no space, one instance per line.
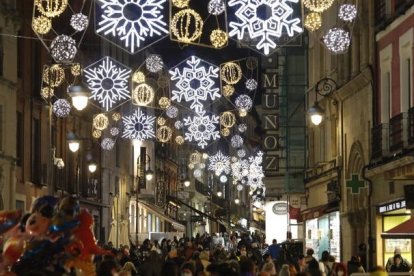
(280,208)
(400,204)
(196,218)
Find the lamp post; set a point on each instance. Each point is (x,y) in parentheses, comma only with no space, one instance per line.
(324,87)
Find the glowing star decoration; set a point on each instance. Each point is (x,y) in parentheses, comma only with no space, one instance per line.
(131,23)
(75,69)
(216,7)
(63,49)
(116,116)
(195,83)
(154,63)
(244,102)
(347,12)
(263,20)
(201,129)
(172,111)
(219,163)
(100,121)
(138,126)
(108,80)
(337,40)
(236,141)
(79,22)
(41,25)
(61,108)
(108,143)
(251,84)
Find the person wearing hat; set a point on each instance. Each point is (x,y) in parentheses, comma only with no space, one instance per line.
(390,261)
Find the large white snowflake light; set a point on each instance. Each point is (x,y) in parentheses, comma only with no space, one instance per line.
(131,23)
(138,126)
(201,129)
(239,169)
(219,163)
(263,20)
(195,83)
(108,79)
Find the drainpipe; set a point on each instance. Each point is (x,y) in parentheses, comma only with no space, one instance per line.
(370,237)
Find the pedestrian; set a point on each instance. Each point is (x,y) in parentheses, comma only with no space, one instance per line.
(399,265)
(390,261)
(309,255)
(274,250)
(340,269)
(354,266)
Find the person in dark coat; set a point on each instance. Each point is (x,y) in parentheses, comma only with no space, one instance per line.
(399,265)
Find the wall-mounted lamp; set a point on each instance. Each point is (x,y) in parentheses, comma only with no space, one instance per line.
(324,88)
(149,174)
(73,141)
(187,182)
(92,167)
(79,93)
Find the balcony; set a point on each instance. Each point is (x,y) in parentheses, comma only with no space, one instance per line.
(202,188)
(396,133)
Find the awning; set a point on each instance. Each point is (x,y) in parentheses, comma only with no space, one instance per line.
(404,230)
(319,211)
(176,225)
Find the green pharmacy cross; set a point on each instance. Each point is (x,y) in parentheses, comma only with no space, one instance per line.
(355,184)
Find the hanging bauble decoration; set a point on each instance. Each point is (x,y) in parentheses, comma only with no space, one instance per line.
(187,25)
(138,77)
(53,75)
(116,116)
(96,134)
(197,173)
(180,3)
(242,112)
(161,121)
(225,132)
(154,63)
(313,21)
(164,134)
(244,102)
(241,153)
(191,166)
(79,22)
(227,119)
(164,102)
(223,178)
(216,7)
(108,143)
(178,125)
(337,40)
(195,157)
(251,84)
(75,69)
(114,131)
(172,111)
(63,49)
(239,187)
(231,73)
(318,5)
(236,141)
(61,108)
(100,121)
(347,12)
(242,128)
(179,140)
(218,38)
(47,93)
(51,8)
(41,25)
(142,95)
(228,90)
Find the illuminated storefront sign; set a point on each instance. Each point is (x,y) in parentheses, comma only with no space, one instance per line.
(391,206)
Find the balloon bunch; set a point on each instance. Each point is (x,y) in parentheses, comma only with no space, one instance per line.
(56,236)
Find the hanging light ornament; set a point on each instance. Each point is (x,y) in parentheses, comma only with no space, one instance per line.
(195,157)
(202,165)
(161,121)
(164,134)
(227,119)
(154,63)
(225,132)
(51,8)
(231,73)
(216,7)
(313,21)
(114,131)
(244,102)
(79,22)
(242,112)
(218,38)
(96,133)
(178,125)
(337,40)
(242,128)
(138,77)
(236,141)
(47,93)
(180,3)
(251,84)
(191,166)
(41,25)
(179,140)
(187,25)
(53,75)
(197,173)
(142,95)
(223,178)
(61,108)
(116,116)
(318,5)
(239,187)
(164,102)
(75,69)
(172,111)
(63,49)
(100,121)
(205,155)
(228,90)
(108,143)
(347,12)
(241,153)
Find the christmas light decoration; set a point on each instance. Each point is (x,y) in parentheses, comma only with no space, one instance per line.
(131,23)
(242,128)
(195,157)
(79,22)
(61,108)
(347,12)
(138,126)
(142,95)
(172,111)
(114,131)
(227,119)
(239,187)
(191,166)
(179,140)
(108,80)
(318,5)
(186,25)
(244,102)
(108,143)
(138,77)
(75,69)
(195,83)
(236,141)
(231,73)
(216,7)
(164,134)
(154,63)
(116,116)
(161,121)
(223,178)
(241,153)
(178,125)
(96,134)
(239,169)
(41,25)
(228,90)
(197,173)
(51,8)
(225,132)
(234,159)
(251,84)
(205,155)
(47,93)
(180,3)
(242,112)
(53,75)
(63,49)
(337,40)
(218,38)
(201,129)
(219,163)
(100,121)
(164,102)
(261,25)
(313,21)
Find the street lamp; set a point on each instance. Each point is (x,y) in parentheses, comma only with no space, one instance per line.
(187,182)
(73,141)
(80,93)
(323,87)
(92,167)
(316,114)
(149,175)
(237,201)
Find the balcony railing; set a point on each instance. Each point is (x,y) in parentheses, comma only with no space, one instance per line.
(202,188)
(396,133)
(377,140)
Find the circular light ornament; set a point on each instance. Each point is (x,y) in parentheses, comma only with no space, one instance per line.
(75,69)
(187,25)
(53,75)
(225,132)
(202,166)
(239,187)
(138,77)
(223,179)
(63,49)
(228,90)
(241,153)
(227,119)
(234,159)
(205,156)
(41,25)
(337,40)
(178,125)
(251,84)
(164,102)
(242,128)
(108,143)
(218,38)
(114,131)
(61,108)
(236,141)
(191,166)
(313,21)
(347,12)
(242,112)
(164,134)
(231,73)
(51,8)
(172,111)
(244,102)
(195,158)
(79,22)
(142,95)
(47,93)
(154,63)
(318,5)
(100,121)
(180,3)
(216,7)
(179,140)
(197,173)
(219,193)
(116,116)
(96,134)
(161,121)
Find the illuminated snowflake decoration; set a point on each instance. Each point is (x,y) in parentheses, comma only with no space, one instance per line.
(131,23)
(107,143)
(347,12)
(242,128)
(216,7)
(61,108)
(236,141)
(114,131)
(79,22)
(138,126)
(195,83)
(256,174)
(63,49)
(337,40)
(219,163)
(239,169)
(201,129)
(263,20)
(241,153)
(108,79)
(244,102)
(251,84)
(172,111)
(154,63)
(178,125)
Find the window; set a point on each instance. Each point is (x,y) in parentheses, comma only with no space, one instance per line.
(19,138)
(385,110)
(149,224)
(36,152)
